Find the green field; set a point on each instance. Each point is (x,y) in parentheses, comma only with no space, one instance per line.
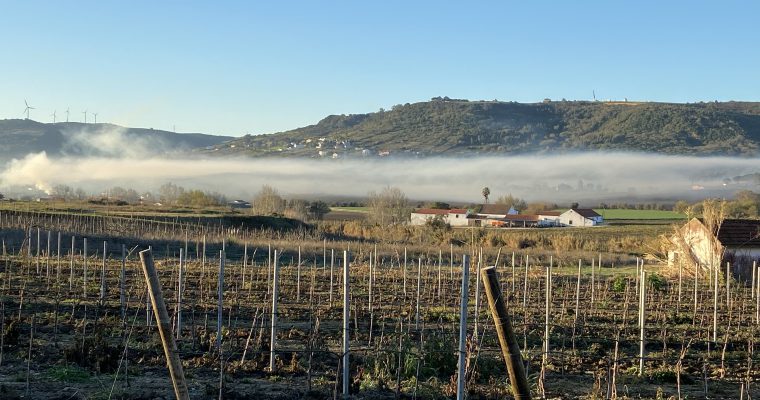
(638,214)
(351,209)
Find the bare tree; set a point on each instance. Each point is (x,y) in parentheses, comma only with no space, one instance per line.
(486,192)
(268,201)
(390,206)
(169,193)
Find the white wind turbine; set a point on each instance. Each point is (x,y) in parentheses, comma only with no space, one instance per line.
(67,114)
(96,117)
(53,115)
(85,116)
(28,107)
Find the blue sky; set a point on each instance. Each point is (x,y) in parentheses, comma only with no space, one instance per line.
(259,67)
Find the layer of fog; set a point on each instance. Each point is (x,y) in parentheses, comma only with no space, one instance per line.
(586,177)
(108,141)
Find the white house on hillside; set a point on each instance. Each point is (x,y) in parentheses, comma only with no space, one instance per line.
(580,217)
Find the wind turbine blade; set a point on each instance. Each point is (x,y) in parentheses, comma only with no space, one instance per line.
(27,104)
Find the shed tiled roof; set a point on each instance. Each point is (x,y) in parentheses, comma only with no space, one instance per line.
(496,209)
(432,211)
(586,212)
(740,233)
(522,217)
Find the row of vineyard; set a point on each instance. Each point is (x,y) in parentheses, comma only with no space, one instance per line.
(265,319)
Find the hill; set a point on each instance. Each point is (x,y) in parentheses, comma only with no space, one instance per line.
(19,137)
(446,127)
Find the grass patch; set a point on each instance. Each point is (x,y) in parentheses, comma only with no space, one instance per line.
(68,373)
(638,214)
(351,209)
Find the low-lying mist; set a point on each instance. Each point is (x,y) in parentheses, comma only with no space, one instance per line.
(585,177)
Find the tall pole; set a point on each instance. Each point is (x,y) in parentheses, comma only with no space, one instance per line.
(122,275)
(180,287)
(164,326)
(463,327)
(642,320)
(220,302)
(275,292)
(507,339)
(84,268)
(346,321)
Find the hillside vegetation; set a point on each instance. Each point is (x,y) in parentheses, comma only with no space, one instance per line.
(19,137)
(460,127)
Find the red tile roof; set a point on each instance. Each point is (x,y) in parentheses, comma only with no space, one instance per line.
(521,217)
(432,211)
(496,209)
(438,211)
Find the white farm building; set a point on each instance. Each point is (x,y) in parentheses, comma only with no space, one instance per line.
(580,217)
(453,217)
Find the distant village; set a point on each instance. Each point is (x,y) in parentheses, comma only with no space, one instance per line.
(503,216)
(317,147)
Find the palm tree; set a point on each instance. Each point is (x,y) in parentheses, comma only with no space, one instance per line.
(486,192)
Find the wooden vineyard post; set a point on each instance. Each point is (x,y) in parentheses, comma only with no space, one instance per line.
(122,276)
(369,285)
(38,251)
(507,339)
(419,289)
(696,290)
(269,265)
(346,322)
(332,271)
(477,295)
(642,320)
(513,273)
(164,326)
(728,286)
(757,295)
(680,282)
(463,327)
(298,277)
(593,283)
(715,305)
(71,263)
(180,287)
(220,302)
(547,311)
(103,274)
(58,263)
(275,293)
(245,264)
(404,273)
(84,268)
(47,259)
(525,283)
(754,279)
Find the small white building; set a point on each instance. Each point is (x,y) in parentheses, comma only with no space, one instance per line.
(453,217)
(580,217)
(548,218)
